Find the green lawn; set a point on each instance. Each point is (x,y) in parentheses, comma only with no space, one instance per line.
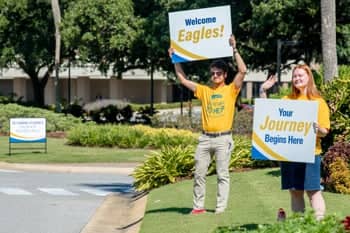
(59,152)
(255,197)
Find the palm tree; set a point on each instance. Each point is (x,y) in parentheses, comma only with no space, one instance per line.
(328,37)
(57,18)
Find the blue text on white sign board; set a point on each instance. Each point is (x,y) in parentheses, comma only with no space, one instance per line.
(200,34)
(283,130)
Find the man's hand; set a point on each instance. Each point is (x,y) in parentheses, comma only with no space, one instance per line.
(232,41)
(171,51)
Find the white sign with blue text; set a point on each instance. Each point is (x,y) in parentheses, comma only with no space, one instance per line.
(283,130)
(200,34)
(27,130)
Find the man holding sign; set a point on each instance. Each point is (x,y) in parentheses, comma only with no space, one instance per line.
(300,177)
(218,103)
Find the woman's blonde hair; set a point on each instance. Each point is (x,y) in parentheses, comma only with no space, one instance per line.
(311,89)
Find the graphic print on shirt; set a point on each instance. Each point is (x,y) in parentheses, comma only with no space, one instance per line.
(216,105)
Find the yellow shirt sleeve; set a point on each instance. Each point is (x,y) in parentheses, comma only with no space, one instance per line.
(323,114)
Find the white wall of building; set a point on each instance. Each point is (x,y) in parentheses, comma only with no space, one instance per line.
(87,84)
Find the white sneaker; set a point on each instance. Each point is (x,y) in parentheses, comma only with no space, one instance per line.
(219,211)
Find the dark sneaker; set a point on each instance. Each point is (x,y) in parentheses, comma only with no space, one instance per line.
(198,211)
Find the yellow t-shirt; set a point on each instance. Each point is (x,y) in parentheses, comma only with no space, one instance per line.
(323,117)
(218,106)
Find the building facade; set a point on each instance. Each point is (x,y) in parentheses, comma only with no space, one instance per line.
(86,84)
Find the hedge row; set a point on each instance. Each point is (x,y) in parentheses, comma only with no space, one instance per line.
(125,136)
(54,121)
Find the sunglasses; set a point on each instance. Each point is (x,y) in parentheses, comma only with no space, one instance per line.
(217,73)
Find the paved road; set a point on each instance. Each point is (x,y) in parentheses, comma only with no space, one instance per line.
(51,202)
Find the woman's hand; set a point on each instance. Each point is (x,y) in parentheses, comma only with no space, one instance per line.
(268,83)
(319,131)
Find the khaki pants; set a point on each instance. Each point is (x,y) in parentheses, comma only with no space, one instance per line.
(221,147)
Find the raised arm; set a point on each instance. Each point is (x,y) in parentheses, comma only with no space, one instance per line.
(242,68)
(267,85)
(181,74)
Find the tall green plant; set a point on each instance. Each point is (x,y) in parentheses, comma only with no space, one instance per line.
(337,95)
(173,163)
(164,167)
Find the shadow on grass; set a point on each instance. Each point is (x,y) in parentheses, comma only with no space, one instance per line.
(121,188)
(172,209)
(274,173)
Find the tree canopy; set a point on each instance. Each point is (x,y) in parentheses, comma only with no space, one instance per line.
(103,32)
(290,20)
(126,34)
(27,40)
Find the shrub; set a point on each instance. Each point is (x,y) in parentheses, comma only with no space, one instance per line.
(340,176)
(10,98)
(282,91)
(144,115)
(54,121)
(164,167)
(178,121)
(125,136)
(337,96)
(296,223)
(336,168)
(108,111)
(156,171)
(243,123)
(74,109)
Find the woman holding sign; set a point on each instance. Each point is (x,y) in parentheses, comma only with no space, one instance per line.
(304,177)
(218,102)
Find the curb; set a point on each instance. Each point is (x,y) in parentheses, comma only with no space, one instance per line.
(110,217)
(122,169)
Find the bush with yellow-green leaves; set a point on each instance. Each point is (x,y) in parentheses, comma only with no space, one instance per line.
(176,163)
(126,136)
(164,167)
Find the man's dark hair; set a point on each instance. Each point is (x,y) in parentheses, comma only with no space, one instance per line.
(220,64)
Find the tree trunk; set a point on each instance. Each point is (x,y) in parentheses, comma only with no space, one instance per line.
(38,84)
(39,93)
(152,90)
(57,18)
(328,37)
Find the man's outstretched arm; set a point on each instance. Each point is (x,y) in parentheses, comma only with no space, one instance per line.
(242,68)
(181,74)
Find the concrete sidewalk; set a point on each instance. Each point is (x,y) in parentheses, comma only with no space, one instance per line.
(118,213)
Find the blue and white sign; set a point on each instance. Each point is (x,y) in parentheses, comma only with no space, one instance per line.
(200,34)
(283,130)
(27,130)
